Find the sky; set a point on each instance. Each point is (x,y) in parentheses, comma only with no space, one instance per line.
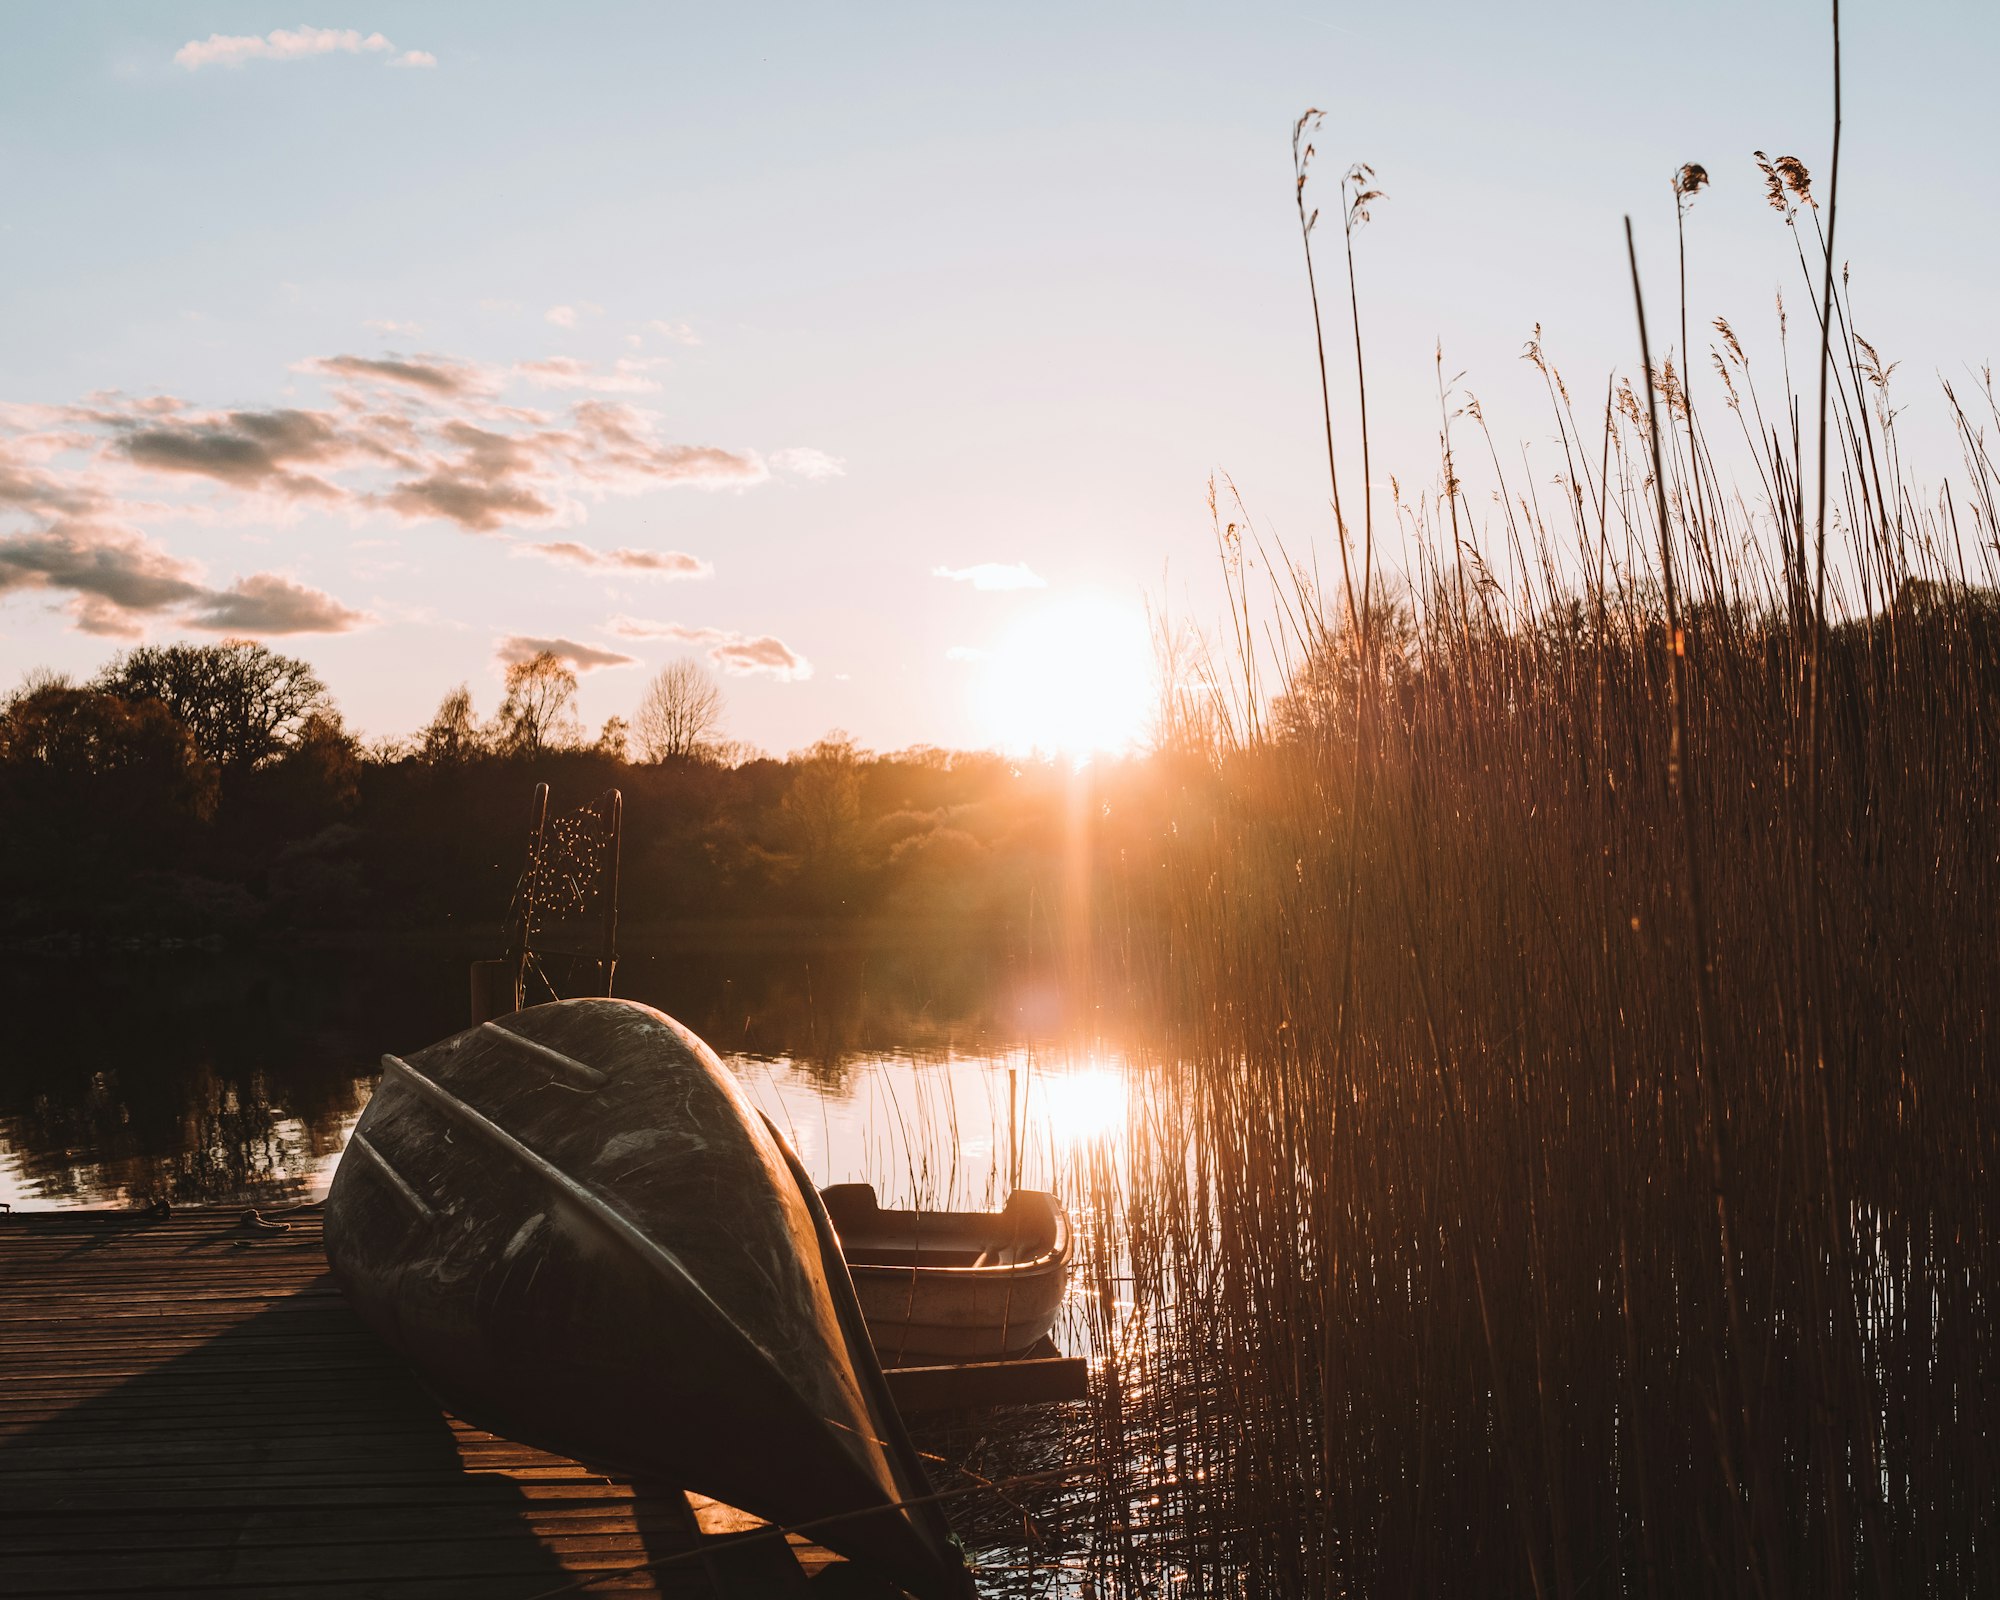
(878,357)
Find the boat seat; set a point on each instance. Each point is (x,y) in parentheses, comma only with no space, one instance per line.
(862,1255)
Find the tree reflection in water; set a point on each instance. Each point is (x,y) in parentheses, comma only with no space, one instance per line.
(214,1079)
(195,1078)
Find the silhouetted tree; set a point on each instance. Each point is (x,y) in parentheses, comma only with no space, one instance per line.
(242,703)
(88,778)
(823,806)
(681,713)
(452,738)
(1322,691)
(322,770)
(539,712)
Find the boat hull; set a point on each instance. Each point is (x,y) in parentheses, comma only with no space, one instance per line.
(943,1287)
(583,1236)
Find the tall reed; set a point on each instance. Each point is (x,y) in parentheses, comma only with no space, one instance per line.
(1586,1002)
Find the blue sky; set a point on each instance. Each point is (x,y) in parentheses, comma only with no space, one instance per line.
(826,299)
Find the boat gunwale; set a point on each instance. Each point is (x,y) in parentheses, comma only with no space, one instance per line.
(1055,1256)
(921,1510)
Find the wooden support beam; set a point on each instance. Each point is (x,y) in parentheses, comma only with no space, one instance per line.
(989,1383)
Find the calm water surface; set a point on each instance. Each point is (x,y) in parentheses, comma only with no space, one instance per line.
(236,1080)
(212,1079)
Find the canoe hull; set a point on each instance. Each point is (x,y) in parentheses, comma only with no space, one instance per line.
(575,1227)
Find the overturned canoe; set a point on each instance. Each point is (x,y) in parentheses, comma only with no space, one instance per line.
(945,1286)
(582,1234)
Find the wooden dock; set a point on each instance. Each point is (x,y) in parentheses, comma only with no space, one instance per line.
(188,1408)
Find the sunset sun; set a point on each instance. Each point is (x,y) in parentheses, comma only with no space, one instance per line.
(1073,676)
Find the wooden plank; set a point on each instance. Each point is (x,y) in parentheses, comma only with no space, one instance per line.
(990,1383)
(741,1571)
(188,1407)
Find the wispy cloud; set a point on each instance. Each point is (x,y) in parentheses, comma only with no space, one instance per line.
(662,563)
(266,450)
(478,465)
(967,652)
(679,332)
(584,657)
(740,654)
(416,438)
(388,325)
(292,44)
(118,581)
(266,603)
(766,655)
(994,575)
(435,373)
(802,462)
(565,372)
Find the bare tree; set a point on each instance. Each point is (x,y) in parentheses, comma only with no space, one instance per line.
(539,712)
(680,715)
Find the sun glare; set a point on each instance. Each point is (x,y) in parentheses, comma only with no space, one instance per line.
(1073,677)
(1084,1105)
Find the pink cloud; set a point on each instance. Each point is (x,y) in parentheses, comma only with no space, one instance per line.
(994,575)
(667,563)
(564,372)
(584,657)
(739,654)
(418,438)
(118,581)
(288,44)
(476,507)
(245,449)
(767,655)
(266,603)
(802,462)
(432,373)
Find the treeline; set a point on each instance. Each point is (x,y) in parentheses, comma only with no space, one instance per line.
(214,792)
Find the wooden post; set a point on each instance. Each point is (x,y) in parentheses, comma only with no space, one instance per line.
(499,987)
(524,928)
(496,989)
(613,811)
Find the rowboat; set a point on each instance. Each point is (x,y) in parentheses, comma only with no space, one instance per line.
(583,1236)
(953,1286)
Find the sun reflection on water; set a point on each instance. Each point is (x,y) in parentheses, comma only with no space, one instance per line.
(1083,1105)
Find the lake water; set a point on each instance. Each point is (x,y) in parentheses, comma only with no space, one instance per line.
(236,1080)
(224,1079)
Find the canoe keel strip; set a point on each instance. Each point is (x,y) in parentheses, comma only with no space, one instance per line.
(582,1234)
(588,1200)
